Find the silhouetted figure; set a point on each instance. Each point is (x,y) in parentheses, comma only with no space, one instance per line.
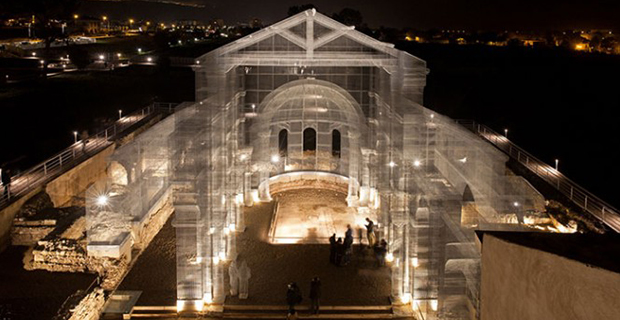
(293,297)
(244,279)
(370,233)
(348,246)
(6,182)
(332,248)
(84,140)
(315,295)
(349,232)
(339,251)
(380,252)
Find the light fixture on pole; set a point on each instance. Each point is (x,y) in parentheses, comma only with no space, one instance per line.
(506,133)
(557,161)
(120,114)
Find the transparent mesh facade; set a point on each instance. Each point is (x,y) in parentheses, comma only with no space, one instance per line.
(309,95)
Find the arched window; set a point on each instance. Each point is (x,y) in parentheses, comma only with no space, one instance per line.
(283,143)
(336,143)
(309,139)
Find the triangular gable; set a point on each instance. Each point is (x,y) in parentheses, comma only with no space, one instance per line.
(292,33)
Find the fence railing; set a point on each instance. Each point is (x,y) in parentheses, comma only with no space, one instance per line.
(577,194)
(43,172)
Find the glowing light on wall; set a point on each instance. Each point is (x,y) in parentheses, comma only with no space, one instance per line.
(405,298)
(389,257)
(102,200)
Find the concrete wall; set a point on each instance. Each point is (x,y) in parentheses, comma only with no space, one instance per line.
(526,284)
(74,182)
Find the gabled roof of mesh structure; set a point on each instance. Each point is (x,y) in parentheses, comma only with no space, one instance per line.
(307,35)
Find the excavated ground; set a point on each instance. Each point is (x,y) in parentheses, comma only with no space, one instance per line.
(32,295)
(273,266)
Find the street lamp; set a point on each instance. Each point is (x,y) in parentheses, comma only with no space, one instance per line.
(75,16)
(74,136)
(557,161)
(120,114)
(506,133)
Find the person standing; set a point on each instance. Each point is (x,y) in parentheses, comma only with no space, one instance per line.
(244,280)
(332,248)
(349,232)
(6,181)
(233,273)
(315,295)
(370,233)
(293,297)
(340,250)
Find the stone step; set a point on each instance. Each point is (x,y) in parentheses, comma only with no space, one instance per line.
(309,316)
(385,308)
(326,312)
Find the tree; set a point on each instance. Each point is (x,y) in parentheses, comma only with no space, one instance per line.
(349,17)
(293,10)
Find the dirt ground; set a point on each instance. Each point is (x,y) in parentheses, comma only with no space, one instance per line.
(32,295)
(155,272)
(273,266)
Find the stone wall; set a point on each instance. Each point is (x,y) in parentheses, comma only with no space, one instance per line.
(520,283)
(73,184)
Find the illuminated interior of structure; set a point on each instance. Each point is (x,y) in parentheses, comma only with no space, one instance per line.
(310,101)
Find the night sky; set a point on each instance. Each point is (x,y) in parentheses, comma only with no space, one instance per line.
(457,14)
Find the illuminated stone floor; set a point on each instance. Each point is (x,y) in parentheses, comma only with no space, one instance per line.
(312,216)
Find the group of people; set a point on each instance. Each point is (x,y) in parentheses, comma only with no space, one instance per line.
(294,297)
(339,250)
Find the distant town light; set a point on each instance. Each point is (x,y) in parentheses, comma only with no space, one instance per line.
(139,50)
(130,21)
(75,16)
(118,54)
(149,59)
(34,54)
(101,57)
(104,18)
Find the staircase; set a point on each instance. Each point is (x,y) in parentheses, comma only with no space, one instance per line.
(326,312)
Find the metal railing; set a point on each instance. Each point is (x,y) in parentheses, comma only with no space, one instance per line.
(43,172)
(577,194)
